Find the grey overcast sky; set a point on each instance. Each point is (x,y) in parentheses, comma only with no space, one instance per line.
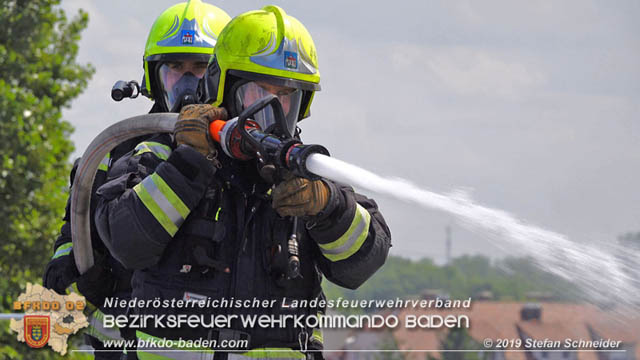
(532,106)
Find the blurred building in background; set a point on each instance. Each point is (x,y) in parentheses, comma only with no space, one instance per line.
(542,322)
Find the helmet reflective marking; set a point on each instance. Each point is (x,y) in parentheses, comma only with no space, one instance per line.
(189,27)
(278,59)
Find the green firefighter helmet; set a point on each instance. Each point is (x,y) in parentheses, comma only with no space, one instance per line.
(260,52)
(179,46)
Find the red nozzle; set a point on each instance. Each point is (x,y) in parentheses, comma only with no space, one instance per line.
(215,127)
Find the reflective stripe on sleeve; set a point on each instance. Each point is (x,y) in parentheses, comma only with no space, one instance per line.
(104,164)
(162,202)
(317,335)
(99,331)
(148,349)
(160,150)
(63,250)
(89,307)
(268,353)
(351,241)
(73,288)
(159,353)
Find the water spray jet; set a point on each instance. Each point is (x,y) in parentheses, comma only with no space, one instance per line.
(598,272)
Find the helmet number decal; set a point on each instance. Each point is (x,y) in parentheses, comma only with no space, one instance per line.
(290,60)
(187,37)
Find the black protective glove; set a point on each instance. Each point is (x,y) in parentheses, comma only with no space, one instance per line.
(60,273)
(97,283)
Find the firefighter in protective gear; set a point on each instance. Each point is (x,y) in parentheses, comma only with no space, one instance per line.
(178,49)
(198,225)
(170,65)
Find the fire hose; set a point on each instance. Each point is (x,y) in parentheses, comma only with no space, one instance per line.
(86,173)
(277,152)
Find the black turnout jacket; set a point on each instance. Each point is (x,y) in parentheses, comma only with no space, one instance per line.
(191,230)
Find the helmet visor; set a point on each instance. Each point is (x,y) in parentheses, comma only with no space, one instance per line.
(290,98)
(179,78)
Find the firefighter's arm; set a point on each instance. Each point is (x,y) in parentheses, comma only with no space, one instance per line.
(148,196)
(352,237)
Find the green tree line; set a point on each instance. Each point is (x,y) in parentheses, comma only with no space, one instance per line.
(509,279)
(39,76)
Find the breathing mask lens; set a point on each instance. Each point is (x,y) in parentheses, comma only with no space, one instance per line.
(179,79)
(290,98)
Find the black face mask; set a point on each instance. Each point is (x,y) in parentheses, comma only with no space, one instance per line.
(185,99)
(183,92)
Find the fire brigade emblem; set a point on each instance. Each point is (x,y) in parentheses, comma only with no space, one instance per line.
(187,36)
(49,318)
(290,60)
(36,330)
